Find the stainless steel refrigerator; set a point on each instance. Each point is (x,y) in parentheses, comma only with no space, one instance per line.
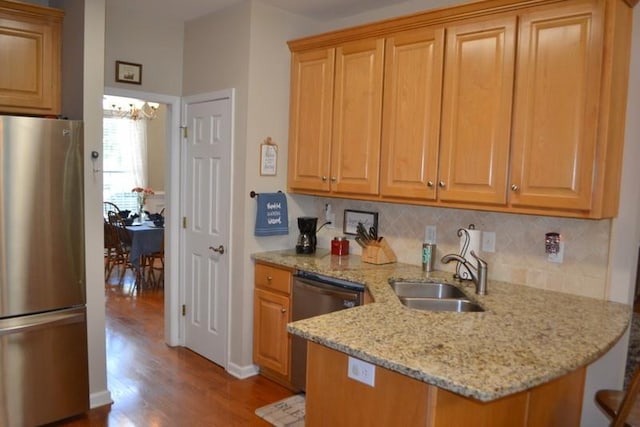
(43,333)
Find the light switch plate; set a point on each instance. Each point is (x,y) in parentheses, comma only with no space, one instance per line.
(362,371)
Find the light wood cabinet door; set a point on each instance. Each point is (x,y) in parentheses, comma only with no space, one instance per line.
(30,50)
(357,116)
(271,341)
(411,113)
(476,113)
(311,107)
(556,107)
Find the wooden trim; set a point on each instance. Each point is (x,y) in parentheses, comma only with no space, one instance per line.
(418,20)
(26,9)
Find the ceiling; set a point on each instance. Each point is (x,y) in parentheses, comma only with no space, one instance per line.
(316,9)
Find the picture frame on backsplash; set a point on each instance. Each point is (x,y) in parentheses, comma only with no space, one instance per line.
(353,217)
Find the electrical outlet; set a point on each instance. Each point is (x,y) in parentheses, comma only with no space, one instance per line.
(362,371)
(488,241)
(558,257)
(329,216)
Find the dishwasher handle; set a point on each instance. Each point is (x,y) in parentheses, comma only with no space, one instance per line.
(325,289)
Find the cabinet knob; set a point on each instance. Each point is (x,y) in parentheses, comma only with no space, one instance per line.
(334,179)
(514,187)
(442,184)
(429,184)
(324,178)
(269,278)
(283,310)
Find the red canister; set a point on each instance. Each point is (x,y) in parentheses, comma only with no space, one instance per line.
(340,246)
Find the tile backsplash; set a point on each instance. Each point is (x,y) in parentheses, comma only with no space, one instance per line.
(519,257)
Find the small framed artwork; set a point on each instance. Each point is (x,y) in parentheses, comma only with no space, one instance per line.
(352,218)
(127,72)
(268,157)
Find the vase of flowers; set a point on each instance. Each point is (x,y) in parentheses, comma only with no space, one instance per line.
(142,193)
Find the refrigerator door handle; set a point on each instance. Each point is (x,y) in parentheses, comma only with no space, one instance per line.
(40,321)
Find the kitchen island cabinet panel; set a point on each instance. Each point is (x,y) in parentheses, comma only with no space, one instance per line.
(332,398)
(395,400)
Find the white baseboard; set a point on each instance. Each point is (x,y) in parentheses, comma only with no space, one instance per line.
(242,372)
(100,398)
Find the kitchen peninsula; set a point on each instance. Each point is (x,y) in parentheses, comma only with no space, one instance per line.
(516,360)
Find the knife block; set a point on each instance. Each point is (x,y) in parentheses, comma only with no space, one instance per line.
(378,253)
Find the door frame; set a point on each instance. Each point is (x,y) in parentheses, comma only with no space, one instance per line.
(205,97)
(173,285)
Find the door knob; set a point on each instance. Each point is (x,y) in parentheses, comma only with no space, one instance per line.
(219,249)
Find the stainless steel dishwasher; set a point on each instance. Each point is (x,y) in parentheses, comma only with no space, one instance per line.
(314,295)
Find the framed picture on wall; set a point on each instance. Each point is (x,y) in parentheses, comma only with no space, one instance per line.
(128,72)
(352,218)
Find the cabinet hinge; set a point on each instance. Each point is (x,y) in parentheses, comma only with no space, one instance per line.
(184,222)
(184,309)
(185,132)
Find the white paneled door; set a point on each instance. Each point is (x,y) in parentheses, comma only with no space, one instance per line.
(206,189)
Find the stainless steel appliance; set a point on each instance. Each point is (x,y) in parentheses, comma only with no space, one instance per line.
(43,334)
(313,295)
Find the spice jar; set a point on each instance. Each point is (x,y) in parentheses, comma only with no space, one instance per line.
(340,246)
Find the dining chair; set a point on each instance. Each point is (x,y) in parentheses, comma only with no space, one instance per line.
(622,407)
(118,237)
(154,263)
(109,207)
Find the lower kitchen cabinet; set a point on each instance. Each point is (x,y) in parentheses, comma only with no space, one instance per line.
(271,313)
(395,399)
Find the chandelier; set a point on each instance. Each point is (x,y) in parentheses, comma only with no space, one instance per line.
(130,108)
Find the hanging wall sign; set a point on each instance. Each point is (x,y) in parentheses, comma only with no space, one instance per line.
(268,157)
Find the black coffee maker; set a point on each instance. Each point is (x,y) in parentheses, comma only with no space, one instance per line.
(307,238)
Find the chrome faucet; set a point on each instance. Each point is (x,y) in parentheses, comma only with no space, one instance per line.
(478,273)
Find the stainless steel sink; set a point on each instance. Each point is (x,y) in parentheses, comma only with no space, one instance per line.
(440,304)
(410,289)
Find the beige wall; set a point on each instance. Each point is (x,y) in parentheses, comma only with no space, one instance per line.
(156,43)
(156,140)
(256,65)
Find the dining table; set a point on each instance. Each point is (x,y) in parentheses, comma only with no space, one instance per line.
(146,238)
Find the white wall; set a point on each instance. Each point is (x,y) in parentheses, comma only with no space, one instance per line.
(94,23)
(140,38)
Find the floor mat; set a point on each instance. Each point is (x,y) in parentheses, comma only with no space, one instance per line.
(287,412)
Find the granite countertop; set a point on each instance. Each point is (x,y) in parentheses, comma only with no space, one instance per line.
(525,336)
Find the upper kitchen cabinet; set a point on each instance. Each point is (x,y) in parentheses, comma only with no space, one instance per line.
(497,105)
(311,108)
(570,107)
(411,113)
(30,51)
(336,103)
(476,111)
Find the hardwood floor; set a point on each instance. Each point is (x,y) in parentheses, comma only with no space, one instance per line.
(156,385)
